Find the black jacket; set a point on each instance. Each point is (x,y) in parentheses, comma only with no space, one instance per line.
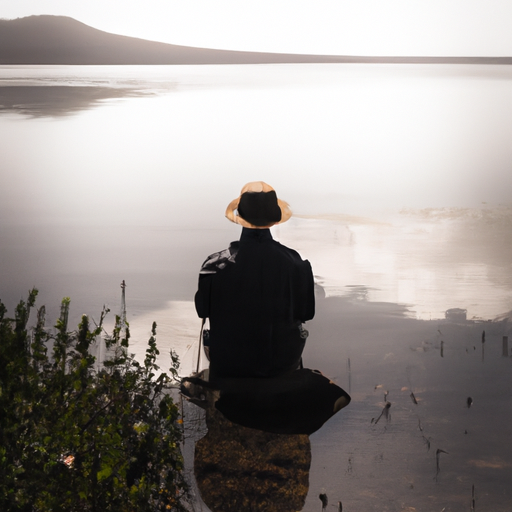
(256,295)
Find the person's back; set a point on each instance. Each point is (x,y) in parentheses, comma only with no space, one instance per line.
(256,294)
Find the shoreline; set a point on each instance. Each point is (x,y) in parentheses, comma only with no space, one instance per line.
(340,323)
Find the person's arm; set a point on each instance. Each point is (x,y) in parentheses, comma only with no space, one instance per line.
(202,296)
(210,267)
(305,293)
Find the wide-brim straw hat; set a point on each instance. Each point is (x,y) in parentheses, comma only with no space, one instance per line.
(258,207)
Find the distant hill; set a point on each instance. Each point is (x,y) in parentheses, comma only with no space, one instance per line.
(63,40)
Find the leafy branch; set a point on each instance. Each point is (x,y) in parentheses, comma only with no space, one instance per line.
(77,438)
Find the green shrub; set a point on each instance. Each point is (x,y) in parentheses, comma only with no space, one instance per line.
(76,438)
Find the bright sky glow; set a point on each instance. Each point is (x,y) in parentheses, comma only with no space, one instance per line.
(343,27)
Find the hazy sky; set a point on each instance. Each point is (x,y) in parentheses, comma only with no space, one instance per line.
(348,27)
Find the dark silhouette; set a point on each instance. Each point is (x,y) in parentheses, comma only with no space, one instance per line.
(256,294)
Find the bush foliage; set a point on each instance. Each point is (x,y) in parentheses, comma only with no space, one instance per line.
(78,436)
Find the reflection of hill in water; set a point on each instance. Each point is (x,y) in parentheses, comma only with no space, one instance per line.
(239,468)
(57,100)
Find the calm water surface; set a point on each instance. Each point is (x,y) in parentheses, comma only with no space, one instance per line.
(400,180)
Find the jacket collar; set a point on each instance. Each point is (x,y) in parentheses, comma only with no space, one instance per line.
(258,235)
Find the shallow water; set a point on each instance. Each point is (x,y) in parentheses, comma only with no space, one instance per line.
(399,180)
(391,464)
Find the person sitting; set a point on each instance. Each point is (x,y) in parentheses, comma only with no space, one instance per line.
(256,294)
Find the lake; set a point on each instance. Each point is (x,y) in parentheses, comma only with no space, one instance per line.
(399,179)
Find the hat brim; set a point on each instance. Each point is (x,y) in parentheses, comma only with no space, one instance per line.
(232,214)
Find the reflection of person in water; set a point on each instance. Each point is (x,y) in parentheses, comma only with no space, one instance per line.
(256,294)
(239,469)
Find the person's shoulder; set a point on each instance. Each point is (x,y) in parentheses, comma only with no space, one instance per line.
(219,260)
(289,252)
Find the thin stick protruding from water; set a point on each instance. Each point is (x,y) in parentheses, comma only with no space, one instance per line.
(385,412)
(438,467)
(349,376)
